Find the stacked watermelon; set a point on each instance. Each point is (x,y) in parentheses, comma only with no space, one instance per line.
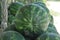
(13,10)
(49,36)
(12,35)
(32,20)
(51,27)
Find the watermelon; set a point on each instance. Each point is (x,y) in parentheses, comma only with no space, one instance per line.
(12,35)
(51,26)
(32,20)
(43,5)
(40,3)
(13,10)
(49,36)
(51,30)
(45,8)
(51,21)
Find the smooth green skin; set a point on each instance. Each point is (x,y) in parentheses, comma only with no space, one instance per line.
(49,36)
(12,35)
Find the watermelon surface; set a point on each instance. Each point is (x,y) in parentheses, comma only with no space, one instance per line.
(49,36)
(13,10)
(42,5)
(51,30)
(32,20)
(12,35)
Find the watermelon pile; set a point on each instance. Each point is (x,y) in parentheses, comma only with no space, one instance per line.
(30,22)
(51,27)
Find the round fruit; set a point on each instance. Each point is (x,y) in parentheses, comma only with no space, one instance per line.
(49,36)
(32,20)
(12,35)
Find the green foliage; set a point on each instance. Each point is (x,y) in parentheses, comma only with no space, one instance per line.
(12,35)
(49,36)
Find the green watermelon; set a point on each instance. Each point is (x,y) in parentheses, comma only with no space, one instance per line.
(49,36)
(32,19)
(51,30)
(11,18)
(13,10)
(51,21)
(45,8)
(12,35)
(42,5)
(51,26)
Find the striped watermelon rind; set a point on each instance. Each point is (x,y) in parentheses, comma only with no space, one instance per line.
(32,19)
(49,36)
(51,30)
(42,5)
(13,10)
(12,35)
(14,7)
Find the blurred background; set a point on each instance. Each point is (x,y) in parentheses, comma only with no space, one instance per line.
(54,7)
